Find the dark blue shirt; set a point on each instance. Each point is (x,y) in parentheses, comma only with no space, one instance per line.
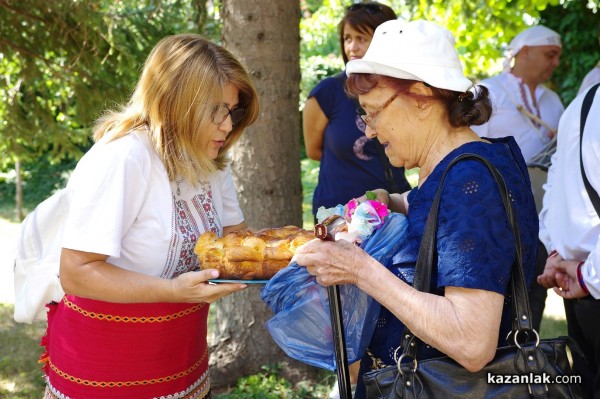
(350,163)
(474,241)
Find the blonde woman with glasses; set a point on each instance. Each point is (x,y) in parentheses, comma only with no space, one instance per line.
(133,321)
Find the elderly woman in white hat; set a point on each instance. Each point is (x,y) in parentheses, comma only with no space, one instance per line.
(419,105)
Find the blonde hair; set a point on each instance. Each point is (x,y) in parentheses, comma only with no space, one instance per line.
(182,83)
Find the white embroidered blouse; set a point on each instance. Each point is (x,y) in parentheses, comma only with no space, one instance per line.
(123,205)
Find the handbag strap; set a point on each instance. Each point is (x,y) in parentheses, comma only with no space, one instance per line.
(585,110)
(428,256)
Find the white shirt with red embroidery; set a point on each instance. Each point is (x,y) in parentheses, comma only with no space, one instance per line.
(568,221)
(123,205)
(506,94)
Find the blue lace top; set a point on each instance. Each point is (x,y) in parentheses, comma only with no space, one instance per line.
(475,245)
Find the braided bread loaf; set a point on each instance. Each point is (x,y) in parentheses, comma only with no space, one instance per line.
(247,255)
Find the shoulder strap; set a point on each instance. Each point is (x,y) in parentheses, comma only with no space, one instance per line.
(585,110)
(428,255)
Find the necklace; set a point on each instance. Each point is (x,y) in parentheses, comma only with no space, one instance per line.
(178,182)
(526,103)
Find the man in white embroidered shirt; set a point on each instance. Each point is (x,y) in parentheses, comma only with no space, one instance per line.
(570,230)
(522,106)
(526,109)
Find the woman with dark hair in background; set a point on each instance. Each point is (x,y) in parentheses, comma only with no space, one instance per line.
(334,134)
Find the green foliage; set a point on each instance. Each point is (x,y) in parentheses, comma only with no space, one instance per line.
(581,50)
(319,34)
(315,69)
(320,55)
(41,179)
(65,61)
(482,28)
(269,385)
(310,6)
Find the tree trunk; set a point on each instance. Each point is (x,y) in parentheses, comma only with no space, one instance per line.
(264,36)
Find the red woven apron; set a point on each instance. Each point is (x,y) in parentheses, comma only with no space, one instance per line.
(97,349)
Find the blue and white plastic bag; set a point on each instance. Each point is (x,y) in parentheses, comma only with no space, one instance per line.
(301,325)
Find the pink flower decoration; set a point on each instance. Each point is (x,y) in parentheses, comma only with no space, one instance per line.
(379,207)
(350,208)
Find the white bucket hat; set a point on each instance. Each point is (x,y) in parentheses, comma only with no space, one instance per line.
(419,50)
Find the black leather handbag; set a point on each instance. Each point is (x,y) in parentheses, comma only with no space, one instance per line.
(527,368)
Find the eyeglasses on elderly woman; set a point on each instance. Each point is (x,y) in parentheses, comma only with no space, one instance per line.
(222,112)
(370,118)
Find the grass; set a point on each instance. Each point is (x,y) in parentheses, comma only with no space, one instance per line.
(20,374)
(268,385)
(310,177)
(553,327)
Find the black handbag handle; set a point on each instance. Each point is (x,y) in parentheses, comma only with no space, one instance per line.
(585,110)
(428,256)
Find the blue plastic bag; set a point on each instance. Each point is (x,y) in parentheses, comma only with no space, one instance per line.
(301,325)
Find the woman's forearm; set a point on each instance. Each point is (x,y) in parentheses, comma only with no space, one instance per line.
(399,203)
(464,324)
(96,279)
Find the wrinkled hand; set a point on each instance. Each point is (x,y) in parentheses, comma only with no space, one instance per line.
(332,262)
(395,202)
(193,287)
(382,196)
(548,278)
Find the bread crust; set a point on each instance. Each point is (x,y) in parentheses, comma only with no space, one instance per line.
(248,255)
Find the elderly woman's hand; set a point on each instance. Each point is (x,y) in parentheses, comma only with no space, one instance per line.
(396,202)
(333,262)
(381,195)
